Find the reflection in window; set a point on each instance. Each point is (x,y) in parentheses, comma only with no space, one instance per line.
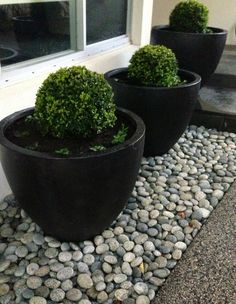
(33,30)
(105,19)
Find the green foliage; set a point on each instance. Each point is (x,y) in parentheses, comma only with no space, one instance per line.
(154,65)
(63,151)
(189,16)
(24,133)
(98,148)
(29,119)
(33,147)
(74,101)
(121,135)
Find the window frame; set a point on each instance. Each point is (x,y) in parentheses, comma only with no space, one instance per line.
(135,11)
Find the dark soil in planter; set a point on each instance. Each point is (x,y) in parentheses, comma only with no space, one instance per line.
(123,78)
(210,30)
(27,135)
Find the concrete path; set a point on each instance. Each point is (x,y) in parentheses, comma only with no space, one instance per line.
(227,64)
(221,97)
(220,100)
(206,274)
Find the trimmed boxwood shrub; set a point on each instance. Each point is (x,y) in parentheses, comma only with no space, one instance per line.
(154,65)
(189,16)
(74,101)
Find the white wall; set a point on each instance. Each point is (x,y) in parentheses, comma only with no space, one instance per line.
(20,95)
(222,13)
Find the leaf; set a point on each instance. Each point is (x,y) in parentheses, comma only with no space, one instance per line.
(63,151)
(97,148)
(121,135)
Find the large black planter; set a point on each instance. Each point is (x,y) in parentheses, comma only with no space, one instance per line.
(76,198)
(195,52)
(165,111)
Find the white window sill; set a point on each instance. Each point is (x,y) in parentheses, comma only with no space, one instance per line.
(24,71)
(19,92)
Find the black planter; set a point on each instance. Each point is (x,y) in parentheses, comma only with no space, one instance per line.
(76,198)
(195,52)
(165,111)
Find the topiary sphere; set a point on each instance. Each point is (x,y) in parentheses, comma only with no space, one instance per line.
(154,65)
(74,101)
(189,16)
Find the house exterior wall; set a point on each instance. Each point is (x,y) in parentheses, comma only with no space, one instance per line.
(221,14)
(21,94)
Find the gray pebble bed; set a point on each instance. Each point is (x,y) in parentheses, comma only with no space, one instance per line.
(128,262)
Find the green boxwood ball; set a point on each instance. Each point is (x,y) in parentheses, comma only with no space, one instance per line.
(154,65)
(189,16)
(74,101)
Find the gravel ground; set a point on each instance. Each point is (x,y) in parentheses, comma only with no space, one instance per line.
(128,262)
(206,273)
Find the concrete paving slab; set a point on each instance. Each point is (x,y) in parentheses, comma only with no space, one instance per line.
(219,94)
(227,64)
(206,274)
(220,100)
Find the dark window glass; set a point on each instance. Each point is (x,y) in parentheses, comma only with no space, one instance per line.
(105,19)
(33,30)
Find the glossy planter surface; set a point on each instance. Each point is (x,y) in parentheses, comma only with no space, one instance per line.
(75,198)
(165,111)
(195,52)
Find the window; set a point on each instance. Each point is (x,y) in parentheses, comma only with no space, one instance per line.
(105,19)
(34,29)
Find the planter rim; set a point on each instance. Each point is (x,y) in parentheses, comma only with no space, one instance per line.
(5,122)
(166,28)
(197,79)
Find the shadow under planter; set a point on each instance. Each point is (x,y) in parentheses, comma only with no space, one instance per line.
(73,198)
(220,121)
(165,111)
(197,52)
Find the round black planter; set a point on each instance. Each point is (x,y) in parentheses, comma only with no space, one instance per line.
(165,111)
(195,52)
(76,198)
